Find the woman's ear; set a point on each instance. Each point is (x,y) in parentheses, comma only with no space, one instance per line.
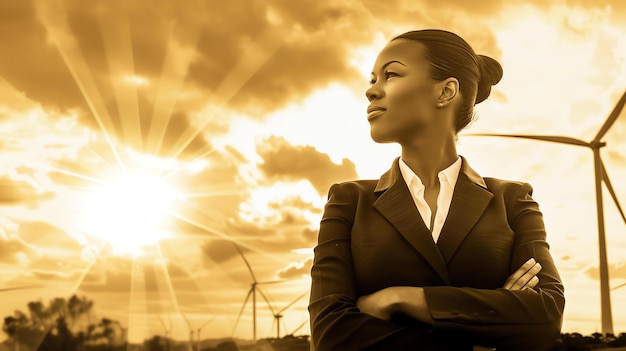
(448,89)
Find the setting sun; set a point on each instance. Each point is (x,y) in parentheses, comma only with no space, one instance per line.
(130,212)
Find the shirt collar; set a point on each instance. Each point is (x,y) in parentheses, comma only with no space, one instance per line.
(450,174)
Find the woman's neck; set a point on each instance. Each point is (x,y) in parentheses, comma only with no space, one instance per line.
(428,157)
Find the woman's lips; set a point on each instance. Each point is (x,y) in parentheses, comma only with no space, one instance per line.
(371,114)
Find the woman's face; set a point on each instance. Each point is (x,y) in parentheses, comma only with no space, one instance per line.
(403,97)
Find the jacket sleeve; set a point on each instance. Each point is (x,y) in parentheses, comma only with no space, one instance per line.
(509,320)
(336,322)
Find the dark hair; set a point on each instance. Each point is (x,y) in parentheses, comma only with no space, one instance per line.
(451,56)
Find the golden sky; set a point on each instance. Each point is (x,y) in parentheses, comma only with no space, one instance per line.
(140,139)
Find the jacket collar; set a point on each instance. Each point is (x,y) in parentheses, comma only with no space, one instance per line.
(469,200)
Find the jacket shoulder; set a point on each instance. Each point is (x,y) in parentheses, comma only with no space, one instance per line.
(354,186)
(496,186)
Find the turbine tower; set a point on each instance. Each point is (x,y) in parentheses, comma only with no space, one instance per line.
(254,288)
(600,176)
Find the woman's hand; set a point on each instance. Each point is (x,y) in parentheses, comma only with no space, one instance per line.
(525,277)
(378,304)
(408,300)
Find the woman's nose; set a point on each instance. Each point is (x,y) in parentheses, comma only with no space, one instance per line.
(373,92)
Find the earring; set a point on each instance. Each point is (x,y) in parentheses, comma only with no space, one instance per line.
(440,104)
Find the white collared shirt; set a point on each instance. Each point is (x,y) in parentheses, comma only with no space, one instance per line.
(447,182)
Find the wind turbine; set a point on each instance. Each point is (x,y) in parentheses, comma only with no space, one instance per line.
(252,292)
(166,330)
(600,176)
(198,333)
(278,315)
(190,346)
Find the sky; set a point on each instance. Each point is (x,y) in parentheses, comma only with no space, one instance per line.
(160,157)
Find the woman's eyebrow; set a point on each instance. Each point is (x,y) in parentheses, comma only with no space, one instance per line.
(390,62)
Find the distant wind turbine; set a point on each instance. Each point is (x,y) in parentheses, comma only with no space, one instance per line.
(166,330)
(198,333)
(278,315)
(254,288)
(190,345)
(600,176)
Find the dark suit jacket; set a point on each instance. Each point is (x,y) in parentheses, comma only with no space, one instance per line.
(372,237)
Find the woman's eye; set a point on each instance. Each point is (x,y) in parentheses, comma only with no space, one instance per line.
(372,81)
(390,74)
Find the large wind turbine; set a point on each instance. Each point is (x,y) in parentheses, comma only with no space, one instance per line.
(278,315)
(600,176)
(252,292)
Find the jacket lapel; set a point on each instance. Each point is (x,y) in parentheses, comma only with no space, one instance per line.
(396,205)
(469,201)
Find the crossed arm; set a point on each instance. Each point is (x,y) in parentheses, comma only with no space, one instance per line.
(411,301)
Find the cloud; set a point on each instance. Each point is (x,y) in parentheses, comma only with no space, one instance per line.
(296,270)
(83,45)
(13,249)
(21,191)
(220,251)
(616,270)
(25,47)
(283,161)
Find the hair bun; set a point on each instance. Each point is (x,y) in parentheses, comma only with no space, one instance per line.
(490,74)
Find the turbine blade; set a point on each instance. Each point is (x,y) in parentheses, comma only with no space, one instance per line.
(246,261)
(266,300)
(293,302)
(274,324)
(609,186)
(206,323)
(284,325)
(186,320)
(245,302)
(550,138)
(163,324)
(273,282)
(619,286)
(299,327)
(611,119)
(20,288)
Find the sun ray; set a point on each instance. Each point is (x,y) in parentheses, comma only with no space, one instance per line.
(175,69)
(77,175)
(101,158)
(115,29)
(166,275)
(196,159)
(216,194)
(54,19)
(138,304)
(225,236)
(248,64)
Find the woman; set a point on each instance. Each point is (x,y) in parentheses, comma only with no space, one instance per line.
(432,256)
